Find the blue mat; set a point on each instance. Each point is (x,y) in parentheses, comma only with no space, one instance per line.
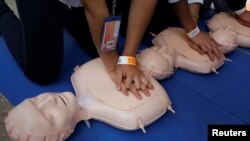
(199,100)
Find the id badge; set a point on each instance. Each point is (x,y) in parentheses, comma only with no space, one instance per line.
(110,33)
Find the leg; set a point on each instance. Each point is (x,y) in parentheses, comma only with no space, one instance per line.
(10,29)
(36,41)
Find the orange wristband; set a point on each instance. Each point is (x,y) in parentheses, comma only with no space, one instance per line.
(127,60)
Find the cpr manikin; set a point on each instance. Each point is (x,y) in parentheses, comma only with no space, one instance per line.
(98,97)
(224,20)
(53,116)
(171,50)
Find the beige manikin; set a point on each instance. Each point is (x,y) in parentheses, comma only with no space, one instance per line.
(222,20)
(98,97)
(170,51)
(53,116)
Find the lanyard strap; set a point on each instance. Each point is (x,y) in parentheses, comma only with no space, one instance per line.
(113,7)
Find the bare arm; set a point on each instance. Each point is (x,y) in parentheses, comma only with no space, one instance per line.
(195,10)
(96,11)
(140,14)
(202,42)
(182,11)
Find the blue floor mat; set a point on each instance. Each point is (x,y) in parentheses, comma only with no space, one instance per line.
(189,123)
(230,89)
(197,99)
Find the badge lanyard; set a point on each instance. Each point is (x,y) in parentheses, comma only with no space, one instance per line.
(113,7)
(110,31)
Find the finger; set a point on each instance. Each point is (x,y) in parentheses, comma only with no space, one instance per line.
(124,89)
(210,55)
(149,86)
(128,81)
(195,47)
(217,53)
(145,90)
(221,54)
(217,45)
(137,82)
(215,50)
(135,92)
(118,79)
(203,48)
(199,50)
(144,79)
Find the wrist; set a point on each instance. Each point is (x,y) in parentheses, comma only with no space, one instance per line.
(109,60)
(194,32)
(127,60)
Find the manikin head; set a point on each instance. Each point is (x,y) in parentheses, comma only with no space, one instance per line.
(48,116)
(158,62)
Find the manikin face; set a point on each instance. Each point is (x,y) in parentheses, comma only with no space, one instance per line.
(46,114)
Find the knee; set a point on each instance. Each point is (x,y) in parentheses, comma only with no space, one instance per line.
(42,74)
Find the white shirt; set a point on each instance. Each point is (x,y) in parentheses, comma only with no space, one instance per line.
(73,3)
(173,1)
(195,1)
(77,3)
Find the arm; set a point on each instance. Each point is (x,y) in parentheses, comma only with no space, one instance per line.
(195,10)
(140,14)
(182,11)
(96,11)
(202,42)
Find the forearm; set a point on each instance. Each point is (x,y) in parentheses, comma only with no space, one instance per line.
(139,16)
(96,11)
(182,11)
(195,10)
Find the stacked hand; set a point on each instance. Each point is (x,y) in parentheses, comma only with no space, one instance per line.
(130,78)
(205,44)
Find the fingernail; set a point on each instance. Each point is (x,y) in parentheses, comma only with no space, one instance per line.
(147,94)
(119,88)
(139,97)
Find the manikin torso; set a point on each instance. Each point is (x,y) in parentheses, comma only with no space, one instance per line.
(222,20)
(97,94)
(170,51)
